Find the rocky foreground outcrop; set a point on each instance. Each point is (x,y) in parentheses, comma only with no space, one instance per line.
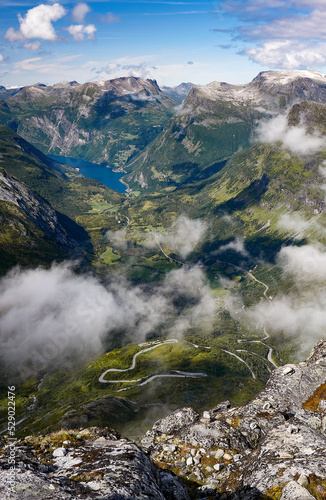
(271,448)
(89,464)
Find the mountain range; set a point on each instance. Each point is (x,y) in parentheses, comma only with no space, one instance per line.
(203,278)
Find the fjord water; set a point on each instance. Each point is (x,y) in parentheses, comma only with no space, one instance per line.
(103,174)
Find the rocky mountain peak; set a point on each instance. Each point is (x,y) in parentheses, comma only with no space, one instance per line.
(178,93)
(265,89)
(286,76)
(128,84)
(67,84)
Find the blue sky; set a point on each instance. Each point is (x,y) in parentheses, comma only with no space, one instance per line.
(171,41)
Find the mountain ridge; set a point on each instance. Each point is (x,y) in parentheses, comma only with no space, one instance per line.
(214,122)
(105,121)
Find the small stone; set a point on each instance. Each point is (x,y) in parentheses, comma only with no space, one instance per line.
(323,424)
(322,405)
(285,454)
(227,456)
(197,459)
(193,452)
(213,483)
(218,467)
(303,480)
(287,370)
(66,442)
(209,468)
(292,429)
(199,475)
(51,487)
(205,490)
(170,447)
(267,406)
(202,451)
(254,425)
(219,454)
(320,488)
(205,420)
(85,432)
(59,452)
(189,461)
(178,464)
(237,457)
(94,485)
(101,441)
(293,490)
(207,415)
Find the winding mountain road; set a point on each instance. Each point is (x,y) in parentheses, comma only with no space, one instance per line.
(167,375)
(133,364)
(255,354)
(242,360)
(141,381)
(249,273)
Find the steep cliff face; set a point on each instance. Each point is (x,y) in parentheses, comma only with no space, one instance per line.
(107,121)
(271,448)
(30,229)
(37,210)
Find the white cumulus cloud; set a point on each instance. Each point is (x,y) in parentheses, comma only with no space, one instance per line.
(307,263)
(111,18)
(283,35)
(183,235)
(79,31)
(37,23)
(237,245)
(79,12)
(295,138)
(33,46)
(288,54)
(300,313)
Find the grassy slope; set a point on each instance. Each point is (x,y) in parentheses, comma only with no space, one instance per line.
(66,390)
(193,143)
(245,191)
(75,198)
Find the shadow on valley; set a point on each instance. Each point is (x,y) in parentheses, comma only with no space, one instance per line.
(247,197)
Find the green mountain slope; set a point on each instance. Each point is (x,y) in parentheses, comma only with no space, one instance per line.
(216,121)
(102,121)
(75,199)
(265,196)
(31,233)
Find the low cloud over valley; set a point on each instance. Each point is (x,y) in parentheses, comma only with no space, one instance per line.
(49,314)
